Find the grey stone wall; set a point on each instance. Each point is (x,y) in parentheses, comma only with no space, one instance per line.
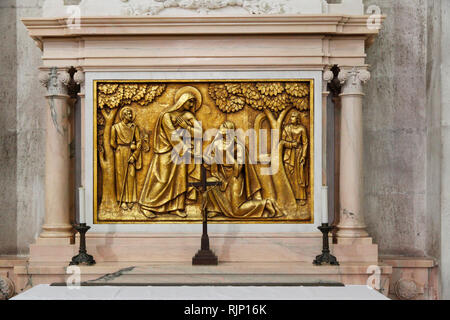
(22,130)
(407,135)
(31,106)
(8,130)
(397,124)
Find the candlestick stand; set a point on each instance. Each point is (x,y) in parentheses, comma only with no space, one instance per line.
(204,256)
(326,257)
(83,257)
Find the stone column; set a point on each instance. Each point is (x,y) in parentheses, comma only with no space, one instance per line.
(57,225)
(351,223)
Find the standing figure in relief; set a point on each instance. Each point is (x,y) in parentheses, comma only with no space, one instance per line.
(295,141)
(165,189)
(239,195)
(126,143)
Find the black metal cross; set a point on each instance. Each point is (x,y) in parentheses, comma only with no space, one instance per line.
(204,184)
(204,256)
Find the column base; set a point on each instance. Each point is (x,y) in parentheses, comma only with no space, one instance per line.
(351,232)
(54,241)
(56,234)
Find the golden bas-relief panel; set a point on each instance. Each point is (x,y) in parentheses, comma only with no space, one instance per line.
(158,142)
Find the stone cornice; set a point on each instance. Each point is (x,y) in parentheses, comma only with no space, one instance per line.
(40,28)
(153,43)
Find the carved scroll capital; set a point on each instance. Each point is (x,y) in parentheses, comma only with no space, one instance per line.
(328,75)
(6,288)
(56,81)
(44,78)
(79,77)
(352,80)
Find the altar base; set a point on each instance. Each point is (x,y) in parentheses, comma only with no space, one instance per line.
(160,259)
(186,274)
(235,247)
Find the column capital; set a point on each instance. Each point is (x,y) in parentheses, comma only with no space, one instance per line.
(327,76)
(56,81)
(352,80)
(79,78)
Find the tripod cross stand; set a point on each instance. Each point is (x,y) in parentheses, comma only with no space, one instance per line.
(204,256)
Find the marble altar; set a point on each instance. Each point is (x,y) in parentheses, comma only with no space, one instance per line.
(239,40)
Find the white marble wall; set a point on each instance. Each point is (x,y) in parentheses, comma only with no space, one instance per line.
(434,110)
(445,134)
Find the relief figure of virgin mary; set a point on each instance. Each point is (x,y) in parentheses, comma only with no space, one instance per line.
(165,189)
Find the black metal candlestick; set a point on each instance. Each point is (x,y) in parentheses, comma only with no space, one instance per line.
(326,257)
(83,257)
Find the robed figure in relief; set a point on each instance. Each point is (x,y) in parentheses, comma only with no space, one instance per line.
(239,195)
(165,189)
(295,141)
(126,143)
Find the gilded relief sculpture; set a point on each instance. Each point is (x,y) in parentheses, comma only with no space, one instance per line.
(252,136)
(126,142)
(295,142)
(239,195)
(165,187)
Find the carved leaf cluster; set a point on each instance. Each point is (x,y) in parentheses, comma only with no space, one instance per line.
(113,95)
(274,96)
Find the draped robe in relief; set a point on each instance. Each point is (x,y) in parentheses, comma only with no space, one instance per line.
(236,197)
(165,187)
(123,136)
(296,171)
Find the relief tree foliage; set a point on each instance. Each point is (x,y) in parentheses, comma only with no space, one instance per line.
(275,100)
(110,99)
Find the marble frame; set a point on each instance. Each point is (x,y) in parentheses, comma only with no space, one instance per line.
(202,75)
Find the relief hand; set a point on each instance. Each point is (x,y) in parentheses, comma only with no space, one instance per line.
(182,123)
